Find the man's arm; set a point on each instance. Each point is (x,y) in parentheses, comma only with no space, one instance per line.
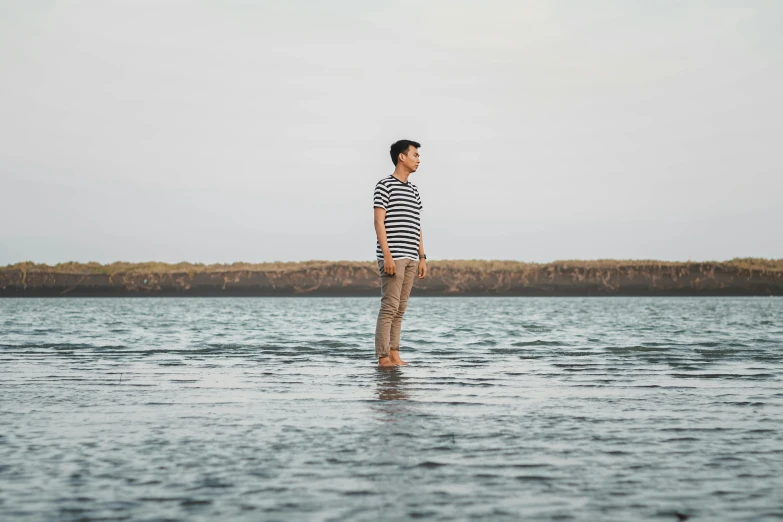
(422,262)
(380,231)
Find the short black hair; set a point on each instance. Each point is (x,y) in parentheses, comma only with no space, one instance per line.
(401,147)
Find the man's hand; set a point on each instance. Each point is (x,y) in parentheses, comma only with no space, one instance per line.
(422,268)
(388,264)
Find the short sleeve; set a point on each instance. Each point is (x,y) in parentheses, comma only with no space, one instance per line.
(381,196)
(418,200)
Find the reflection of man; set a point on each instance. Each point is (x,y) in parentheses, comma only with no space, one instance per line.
(392,386)
(400,248)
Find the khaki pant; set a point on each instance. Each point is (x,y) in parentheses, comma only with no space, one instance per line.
(394,299)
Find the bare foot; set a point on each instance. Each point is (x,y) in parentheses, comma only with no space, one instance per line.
(395,358)
(385,362)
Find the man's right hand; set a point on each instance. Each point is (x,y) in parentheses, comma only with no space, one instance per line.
(388,264)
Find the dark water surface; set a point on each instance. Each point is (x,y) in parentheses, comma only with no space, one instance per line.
(271,409)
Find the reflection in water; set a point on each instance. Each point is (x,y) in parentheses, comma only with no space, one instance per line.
(391,385)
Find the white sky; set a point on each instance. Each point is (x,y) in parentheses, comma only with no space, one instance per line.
(255,131)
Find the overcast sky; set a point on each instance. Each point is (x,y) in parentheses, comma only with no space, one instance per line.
(255,131)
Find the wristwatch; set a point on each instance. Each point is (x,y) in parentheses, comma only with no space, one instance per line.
(422,256)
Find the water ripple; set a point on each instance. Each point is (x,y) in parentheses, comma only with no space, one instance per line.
(272,409)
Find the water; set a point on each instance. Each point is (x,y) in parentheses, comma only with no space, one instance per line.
(271,409)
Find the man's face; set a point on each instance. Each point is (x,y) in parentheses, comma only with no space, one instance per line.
(410,159)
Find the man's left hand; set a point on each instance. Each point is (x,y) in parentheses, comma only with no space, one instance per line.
(422,268)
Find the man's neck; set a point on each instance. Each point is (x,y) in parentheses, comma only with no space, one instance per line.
(401,174)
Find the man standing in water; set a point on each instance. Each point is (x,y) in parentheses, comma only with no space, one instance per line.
(400,248)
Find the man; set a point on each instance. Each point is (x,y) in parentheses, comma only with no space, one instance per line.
(400,248)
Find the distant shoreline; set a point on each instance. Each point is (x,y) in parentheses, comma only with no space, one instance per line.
(738,277)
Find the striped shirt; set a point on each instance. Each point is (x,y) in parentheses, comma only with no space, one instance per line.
(403,210)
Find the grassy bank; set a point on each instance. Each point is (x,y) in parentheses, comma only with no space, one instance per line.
(747,263)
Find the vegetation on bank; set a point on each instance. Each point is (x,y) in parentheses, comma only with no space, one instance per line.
(746,263)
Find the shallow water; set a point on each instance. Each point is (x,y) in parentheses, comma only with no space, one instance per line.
(272,409)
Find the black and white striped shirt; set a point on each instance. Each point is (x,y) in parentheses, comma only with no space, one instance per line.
(403,211)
